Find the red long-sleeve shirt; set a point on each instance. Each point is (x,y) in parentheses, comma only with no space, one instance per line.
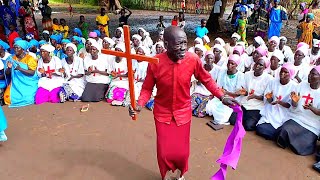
(172,80)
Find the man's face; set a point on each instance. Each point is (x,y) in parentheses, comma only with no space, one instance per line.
(203,23)
(177,45)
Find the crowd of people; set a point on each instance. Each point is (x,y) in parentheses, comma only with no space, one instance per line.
(278,87)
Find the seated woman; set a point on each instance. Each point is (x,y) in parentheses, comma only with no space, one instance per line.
(200,51)
(252,93)
(221,42)
(219,59)
(239,50)
(73,73)
(136,42)
(231,81)
(274,42)
(301,64)
(49,72)
(199,93)
(85,51)
(257,41)
(24,81)
(301,131)
(158,48)
(286,50)
(119,83)
(230,46)
(195,42)
(275,66)
(97,75)
(76,40)
(146,40)
(119,36)
(108,43)
(260,52)
(277,102)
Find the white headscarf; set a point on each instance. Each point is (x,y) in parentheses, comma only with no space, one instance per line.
(206,38)
(121,46)
(236,35)
(221,41)
(74,47)
(201,47)
(96,45)
(218,46)
(145,33)
(275,39)
(199,40)
(259,40)
(48,47)
(283,38)
(110,41)
(137,36)
(278,54)
(145,50)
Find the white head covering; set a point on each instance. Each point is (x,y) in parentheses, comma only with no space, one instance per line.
(199,40)
(110,41)
(218,46)
(283,38)
(121,46)
(145,50)
(304,50)
(96,45)
(259,40)
(91,40)
(144,31)
(74,47)
(241,43)
(159,43)
(278,54)
(236,35)
(206,38)
(48,47)
(221,41)
(275,39)
(137,36)
(121,29)
(201,47)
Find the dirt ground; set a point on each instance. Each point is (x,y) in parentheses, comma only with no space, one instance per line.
(57,142)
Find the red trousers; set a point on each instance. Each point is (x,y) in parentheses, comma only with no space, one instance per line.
(173,146)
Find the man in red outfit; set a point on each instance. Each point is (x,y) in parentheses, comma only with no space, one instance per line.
(172,105)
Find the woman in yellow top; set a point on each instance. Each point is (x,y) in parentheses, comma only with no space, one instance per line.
(103,22)
(24,81)
(307,27)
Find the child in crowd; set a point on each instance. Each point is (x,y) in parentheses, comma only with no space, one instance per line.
(202,30)
(160,25)
(83,26)
(174,21)
(64,29)
(55,25)
(102,21)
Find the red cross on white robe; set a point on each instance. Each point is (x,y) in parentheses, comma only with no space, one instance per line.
(127,54)
(50,71)
(308,98)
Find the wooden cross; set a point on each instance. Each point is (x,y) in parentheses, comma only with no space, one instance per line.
(127,54)
(307,99)
(50,71)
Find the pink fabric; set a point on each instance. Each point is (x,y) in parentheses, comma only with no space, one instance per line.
(232,149)
(93,34)
(300,44)
(236,58)
(173,146)
(240,49)
(317,68)
(304,50)
(262,50)
(44,95)
(291,68)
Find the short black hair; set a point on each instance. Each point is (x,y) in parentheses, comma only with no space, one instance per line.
(203,20)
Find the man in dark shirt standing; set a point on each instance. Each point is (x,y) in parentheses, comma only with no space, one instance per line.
(123,20)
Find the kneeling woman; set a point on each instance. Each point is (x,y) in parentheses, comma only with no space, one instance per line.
(302,129)
(97,76)
(277,98)
(256,82)
(73,72)
(24,81)
(50,82)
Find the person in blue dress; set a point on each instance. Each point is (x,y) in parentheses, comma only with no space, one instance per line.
(7,15)
(275,19)
(3,126)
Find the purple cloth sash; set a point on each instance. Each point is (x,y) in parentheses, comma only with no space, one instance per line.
(232,149)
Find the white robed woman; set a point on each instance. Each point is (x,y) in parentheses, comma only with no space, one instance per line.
(231,80)
(252,93)
(73,72)
(277,102)
(302,129)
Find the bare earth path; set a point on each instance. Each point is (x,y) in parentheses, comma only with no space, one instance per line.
(57,142)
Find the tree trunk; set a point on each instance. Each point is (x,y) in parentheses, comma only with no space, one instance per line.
(223,8)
